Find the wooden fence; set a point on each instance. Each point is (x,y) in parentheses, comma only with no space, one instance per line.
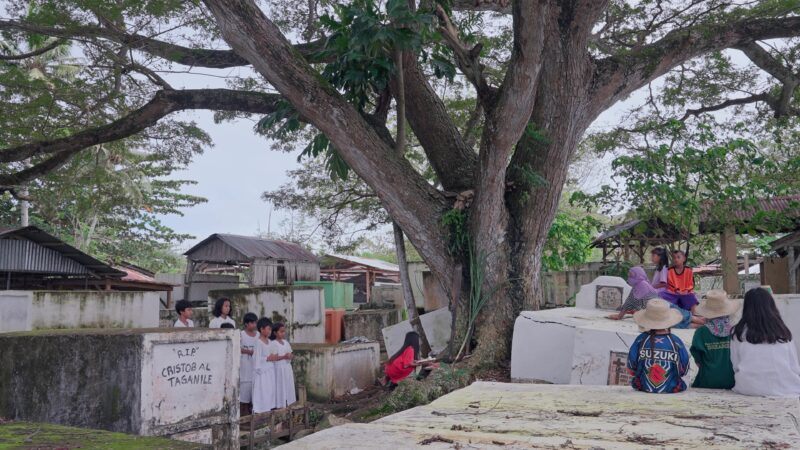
(278,423)
(559,288)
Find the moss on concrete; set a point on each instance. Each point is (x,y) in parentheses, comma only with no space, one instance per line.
(28,435)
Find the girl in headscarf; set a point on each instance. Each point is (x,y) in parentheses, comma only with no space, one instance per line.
(642,292)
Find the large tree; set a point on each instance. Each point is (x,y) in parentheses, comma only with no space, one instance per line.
(566,62)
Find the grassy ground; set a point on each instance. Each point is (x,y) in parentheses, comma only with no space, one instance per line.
(27,435)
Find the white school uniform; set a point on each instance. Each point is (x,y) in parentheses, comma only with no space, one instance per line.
(246,368)
(766,370)
(284,377)
(263,378)
(179,324)
(217,322)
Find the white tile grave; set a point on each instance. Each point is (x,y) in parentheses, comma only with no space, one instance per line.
(580,345)
(436,324)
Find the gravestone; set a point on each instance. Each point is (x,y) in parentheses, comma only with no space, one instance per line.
(179,383)
(605,293)
(435,323)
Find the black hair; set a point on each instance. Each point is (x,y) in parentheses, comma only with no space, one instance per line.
(412,340)
(761,322)
(663,259)
(262,323)
(227,325)
(182,305)
(219,304)
(275,327)
(249,317)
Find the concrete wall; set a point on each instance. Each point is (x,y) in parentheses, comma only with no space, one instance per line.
(333,370)
(147,382)
(789,307)
(370,323)
(37,310)
(301,308)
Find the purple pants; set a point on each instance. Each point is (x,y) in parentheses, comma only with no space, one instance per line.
(684,301)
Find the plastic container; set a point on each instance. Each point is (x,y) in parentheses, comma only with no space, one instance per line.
(334,325)
(338,295)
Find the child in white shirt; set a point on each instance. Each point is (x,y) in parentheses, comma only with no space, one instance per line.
(184,310)
(248,341)
(284,377)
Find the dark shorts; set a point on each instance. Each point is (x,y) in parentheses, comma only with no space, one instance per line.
(684,301)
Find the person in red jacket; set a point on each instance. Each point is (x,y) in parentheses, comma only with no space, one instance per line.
(405,361)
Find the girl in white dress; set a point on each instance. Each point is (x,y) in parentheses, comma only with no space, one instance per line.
(284,377)
(264,369)
(222,314)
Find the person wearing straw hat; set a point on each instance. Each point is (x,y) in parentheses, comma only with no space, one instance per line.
(711,345)
(658,359)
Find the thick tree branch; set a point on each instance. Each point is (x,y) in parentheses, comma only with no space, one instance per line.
(467,59)
(451,158)
(500,6)
(163,103)
(727,103)
(406,195)
(195,57)
(617,77)
(766,62)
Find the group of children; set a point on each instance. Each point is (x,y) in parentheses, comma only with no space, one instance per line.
(754,356)
(266,380)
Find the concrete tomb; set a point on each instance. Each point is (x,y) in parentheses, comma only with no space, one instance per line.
(301,308)
(333,370)
(523,416)
(580,345)
(40,310)
(789,307)
(369,323)
(153,382)
(436,324)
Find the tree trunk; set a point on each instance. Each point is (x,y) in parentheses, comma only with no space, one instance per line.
(408,295)
(23,209)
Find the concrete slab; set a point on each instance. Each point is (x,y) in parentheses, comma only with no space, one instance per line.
(789,307)
(603,292)
(436,324)
(333,370)
(517,416)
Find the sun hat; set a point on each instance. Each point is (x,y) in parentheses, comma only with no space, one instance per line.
(717,304)
(658,315)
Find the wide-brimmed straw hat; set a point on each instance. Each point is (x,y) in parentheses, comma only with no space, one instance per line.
(717,304)
(658,315)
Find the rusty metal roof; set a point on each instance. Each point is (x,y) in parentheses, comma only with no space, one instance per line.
(253,248)
(654,231)
(781,208)
(48,254)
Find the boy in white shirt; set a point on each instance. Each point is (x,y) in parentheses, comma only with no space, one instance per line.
(184,310)
(248,341)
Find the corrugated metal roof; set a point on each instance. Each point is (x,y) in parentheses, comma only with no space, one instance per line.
(787,205)
(368,262)
(253,247)
(653,231)
(42,258)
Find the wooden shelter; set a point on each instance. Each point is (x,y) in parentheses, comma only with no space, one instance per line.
(262,262)
(775,214)
(789,247)
(362,272)
(636,236)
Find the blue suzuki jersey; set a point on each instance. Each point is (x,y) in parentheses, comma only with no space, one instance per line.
(657,363)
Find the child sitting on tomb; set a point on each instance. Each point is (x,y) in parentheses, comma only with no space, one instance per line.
(247,341)
(184,310)
(642,292)
(763,355)
(658,256)
(284,377)
(711,345)
(680,283)
(264,357)
(658,359)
